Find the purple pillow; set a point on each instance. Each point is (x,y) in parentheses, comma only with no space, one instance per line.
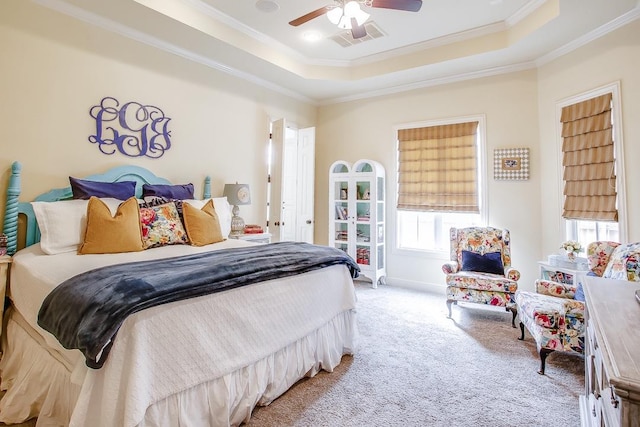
(84,189)
(491,262)
(179,192)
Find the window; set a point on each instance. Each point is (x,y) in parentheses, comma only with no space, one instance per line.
(440,181)
(586,232)
(429,231)
(593,180)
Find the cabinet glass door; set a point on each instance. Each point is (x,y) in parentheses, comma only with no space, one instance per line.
(341,214)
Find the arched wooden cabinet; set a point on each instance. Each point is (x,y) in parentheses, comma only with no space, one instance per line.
(357,215)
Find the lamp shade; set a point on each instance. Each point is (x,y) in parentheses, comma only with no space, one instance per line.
(334,15)
(237,194)
(351,9)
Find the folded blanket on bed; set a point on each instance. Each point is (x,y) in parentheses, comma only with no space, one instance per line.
(86,311)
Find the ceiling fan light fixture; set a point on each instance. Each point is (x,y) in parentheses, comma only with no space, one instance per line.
(345,23)
(334,15)
(342,17)
(351,9)
(361,17)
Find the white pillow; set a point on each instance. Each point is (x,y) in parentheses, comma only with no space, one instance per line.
(63,224)
(223,209)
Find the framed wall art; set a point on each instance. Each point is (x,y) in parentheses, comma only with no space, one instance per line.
(511,163)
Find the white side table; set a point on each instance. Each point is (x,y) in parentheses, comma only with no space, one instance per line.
(572,276)
(5,260)
(254,237)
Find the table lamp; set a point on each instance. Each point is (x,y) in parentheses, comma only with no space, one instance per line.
(237,194)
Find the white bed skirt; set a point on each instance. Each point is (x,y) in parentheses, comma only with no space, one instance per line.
(38,384)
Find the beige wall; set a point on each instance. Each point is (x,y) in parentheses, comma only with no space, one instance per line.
(54,68)
(520,111)
(614,57)
(364,129)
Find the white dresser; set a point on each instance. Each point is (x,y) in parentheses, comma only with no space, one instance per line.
(612,354)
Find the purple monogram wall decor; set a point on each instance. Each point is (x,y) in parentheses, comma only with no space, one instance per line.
(132,129)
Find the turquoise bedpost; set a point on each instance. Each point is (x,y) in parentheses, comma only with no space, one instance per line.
(10,227)
(207,188)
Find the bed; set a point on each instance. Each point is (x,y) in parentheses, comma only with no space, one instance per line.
(201,361)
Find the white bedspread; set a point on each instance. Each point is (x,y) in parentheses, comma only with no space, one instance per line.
(168,349)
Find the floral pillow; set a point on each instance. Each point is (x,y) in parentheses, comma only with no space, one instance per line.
(161,225)
(624,263)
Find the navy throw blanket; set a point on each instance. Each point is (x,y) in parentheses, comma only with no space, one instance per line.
(86,311)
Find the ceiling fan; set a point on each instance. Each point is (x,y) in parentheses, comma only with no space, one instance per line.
(348,15)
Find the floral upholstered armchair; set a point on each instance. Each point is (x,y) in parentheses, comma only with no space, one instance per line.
(480,268)
(554,314)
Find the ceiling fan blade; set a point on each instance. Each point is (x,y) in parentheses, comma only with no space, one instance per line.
(357,31)
(406,5)
(311,15)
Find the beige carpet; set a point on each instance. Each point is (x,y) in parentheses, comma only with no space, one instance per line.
(416,367)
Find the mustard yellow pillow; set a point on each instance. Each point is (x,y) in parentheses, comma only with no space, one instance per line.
(203,225)
(108,234)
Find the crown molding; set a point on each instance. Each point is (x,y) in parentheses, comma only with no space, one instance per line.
(432,82)
(215,14)
(123,30)
(225,19)
(524,11)
(109,25)
(603,30)
(430,44)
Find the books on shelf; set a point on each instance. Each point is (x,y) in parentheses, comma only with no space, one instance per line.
(362,256)
(341,212)
(342,235)
(560,277)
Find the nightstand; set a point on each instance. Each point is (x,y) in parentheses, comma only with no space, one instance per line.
(254,237)
(5,260)
(572,275)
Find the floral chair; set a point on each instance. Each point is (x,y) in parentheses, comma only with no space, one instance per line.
(554,314)
(480,268)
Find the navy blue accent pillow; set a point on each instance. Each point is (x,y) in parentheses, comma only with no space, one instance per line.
(491,262)
(179,192)
(84,189)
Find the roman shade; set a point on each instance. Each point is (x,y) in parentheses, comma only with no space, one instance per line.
(437,168)
(588,160)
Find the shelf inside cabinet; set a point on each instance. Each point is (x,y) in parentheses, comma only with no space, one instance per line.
(363,190)
(363,233)
(341,211)
(363,255)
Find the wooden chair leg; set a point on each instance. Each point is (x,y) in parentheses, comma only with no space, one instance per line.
(514,313)
(543,357)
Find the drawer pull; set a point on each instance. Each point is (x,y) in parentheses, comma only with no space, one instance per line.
(614,400)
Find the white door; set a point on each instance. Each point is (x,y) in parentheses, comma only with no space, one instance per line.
(288,203)
(275,193)
(306,184)
(292,183)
